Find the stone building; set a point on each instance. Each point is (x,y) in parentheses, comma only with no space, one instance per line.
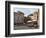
(35,18)
(18,17)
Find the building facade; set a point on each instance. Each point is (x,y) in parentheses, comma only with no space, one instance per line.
(18,18)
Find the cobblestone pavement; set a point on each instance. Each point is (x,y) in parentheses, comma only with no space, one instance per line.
(24,26)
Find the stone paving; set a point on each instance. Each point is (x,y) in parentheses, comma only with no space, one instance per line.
(24,26)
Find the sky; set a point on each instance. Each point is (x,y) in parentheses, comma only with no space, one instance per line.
(26,11)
